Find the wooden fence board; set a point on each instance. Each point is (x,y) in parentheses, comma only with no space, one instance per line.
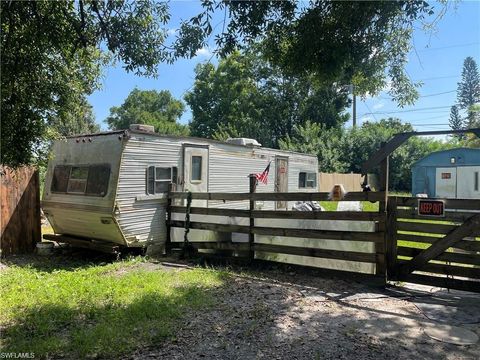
(376,237)
(443,282)
(443,269)
(319,253)
(425,227)
(216,245)
(212,211)
(467,245)
(20,210)
(471,259)
(272,214)
(294,196)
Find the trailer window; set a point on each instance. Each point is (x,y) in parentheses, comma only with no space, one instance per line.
(77,183)
(81,180)
(307,180)
(97,181)
(196,172)
(160,178)
(475,180)
(61,173)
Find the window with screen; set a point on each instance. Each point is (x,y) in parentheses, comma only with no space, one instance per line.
(307,180)
(90,180)
(196,173)
(160,178)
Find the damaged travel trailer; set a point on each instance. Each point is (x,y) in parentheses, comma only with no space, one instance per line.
(112,187)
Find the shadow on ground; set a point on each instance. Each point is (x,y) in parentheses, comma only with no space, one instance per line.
(270,312)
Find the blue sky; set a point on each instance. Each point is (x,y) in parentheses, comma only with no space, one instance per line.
(437,62)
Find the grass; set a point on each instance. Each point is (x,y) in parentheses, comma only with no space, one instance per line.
(92,310)
(332,205)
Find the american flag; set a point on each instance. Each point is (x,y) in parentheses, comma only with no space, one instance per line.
(263,177)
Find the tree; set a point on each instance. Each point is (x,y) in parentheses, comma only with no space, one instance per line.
(345,150)
(468,92)
(151,107)
(53,53)
(456,121)
(80,121)
(246,96)
(315,139)
(348,42)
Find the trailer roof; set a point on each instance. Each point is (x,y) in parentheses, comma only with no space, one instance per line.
(129,131)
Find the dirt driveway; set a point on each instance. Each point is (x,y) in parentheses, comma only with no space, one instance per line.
(295,316)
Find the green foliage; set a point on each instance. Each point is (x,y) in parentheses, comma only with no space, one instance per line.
(80,121)
(151,107)
(456,121)
(78,311)
(245,96)
(359,42)
(316,139)
(468,93)
(52,55)
(346,150)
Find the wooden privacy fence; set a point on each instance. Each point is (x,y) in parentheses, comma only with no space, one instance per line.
(311,234)
(20,210)
(442,252)
(351,182)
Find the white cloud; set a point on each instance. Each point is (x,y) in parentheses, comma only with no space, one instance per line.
(171,32)
(204,51)
(378,106)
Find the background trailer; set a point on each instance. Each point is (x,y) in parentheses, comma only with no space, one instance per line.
(453,173)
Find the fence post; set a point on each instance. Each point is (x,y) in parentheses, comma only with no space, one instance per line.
(251,235)
(381,248)
(391,237)
(168,244)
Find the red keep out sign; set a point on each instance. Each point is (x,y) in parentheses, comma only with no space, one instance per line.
(431,208)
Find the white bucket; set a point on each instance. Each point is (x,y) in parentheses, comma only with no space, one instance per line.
(45,248)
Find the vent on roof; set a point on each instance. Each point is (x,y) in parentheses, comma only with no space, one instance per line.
(243,141)
(142,127)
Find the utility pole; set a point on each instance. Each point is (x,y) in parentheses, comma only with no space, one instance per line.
(354,107)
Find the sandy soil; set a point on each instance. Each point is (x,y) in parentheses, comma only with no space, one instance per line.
(294,316)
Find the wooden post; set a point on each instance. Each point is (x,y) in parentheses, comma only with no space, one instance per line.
(168,244)
(380,249)
(391,237)
(384,169)
(251,235)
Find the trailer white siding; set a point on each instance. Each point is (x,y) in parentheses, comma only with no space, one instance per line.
(142,217)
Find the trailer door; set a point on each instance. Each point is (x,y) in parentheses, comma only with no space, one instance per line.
(195,171)
(281,179)
(468,182)
(446,183)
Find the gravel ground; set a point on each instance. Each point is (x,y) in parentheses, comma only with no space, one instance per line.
(297,316)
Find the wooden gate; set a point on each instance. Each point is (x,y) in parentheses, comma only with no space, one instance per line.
(435,249)
(20,210)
